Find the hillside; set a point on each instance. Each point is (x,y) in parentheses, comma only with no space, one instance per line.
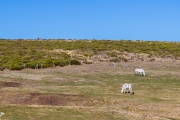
(21,54)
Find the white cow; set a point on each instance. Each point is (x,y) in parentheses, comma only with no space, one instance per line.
(127,88)
(140,72)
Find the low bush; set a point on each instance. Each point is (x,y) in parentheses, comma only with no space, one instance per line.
(32,64)
(16,66)
(75,62)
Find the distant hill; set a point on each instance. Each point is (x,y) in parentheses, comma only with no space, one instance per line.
(35,54)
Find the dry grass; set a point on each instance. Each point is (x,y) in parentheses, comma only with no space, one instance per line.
(92,92)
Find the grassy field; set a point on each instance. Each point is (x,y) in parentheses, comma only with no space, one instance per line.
(92,92)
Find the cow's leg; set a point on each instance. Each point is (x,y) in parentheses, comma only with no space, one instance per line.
(122,90)
(135,73)
(130,89)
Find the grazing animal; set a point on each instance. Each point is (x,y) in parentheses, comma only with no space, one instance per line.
(127,88)
(140,72)
(1,114)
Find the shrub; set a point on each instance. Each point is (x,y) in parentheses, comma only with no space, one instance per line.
(61,63)
(32,64)
(152,60)
(48,63)
(15,66)
(74,62)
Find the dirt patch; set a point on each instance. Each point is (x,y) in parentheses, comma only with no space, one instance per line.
(37,98)
(10,84)
(54,99)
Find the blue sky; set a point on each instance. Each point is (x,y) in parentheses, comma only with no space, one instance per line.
(90,19)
